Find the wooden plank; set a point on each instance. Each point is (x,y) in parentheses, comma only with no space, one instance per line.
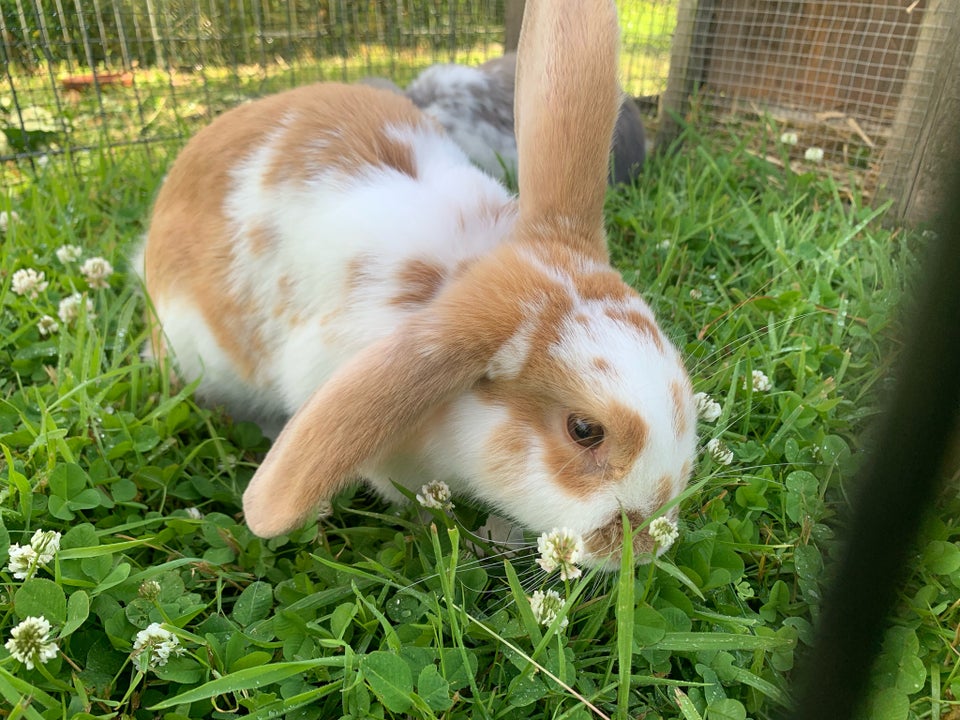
(927,123)
(514,15)
(688,55)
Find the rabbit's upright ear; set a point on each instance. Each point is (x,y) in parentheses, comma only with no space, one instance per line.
(566,104)
(378,398)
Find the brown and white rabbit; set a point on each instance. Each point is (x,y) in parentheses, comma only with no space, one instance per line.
(475,107)
(330,256)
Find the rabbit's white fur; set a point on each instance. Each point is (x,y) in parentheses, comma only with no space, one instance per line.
(329,259)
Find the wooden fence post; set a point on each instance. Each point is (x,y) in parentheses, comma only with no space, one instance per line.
(916,166)
(514,15)
(687,57)
(155,33)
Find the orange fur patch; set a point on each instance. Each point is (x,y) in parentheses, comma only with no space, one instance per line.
(260,240)
(602,365)
(665,491)
(680,420)
(642,323)
(318,139)
(420,281)
(603,286)
(284,296)
(607,541)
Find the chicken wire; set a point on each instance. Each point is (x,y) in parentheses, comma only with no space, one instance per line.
(85,75)
(832,83)
(82,75)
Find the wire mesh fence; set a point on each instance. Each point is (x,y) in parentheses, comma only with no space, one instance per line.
(93,74)
(189,33)
(831,84)
(82,75)
(835,83)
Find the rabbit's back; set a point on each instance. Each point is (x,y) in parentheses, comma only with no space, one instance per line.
(297,229)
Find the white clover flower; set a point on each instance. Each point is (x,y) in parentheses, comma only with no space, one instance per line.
(664,245)
(664,531)
(436,495)
(97,272)
(22,562)
(28,282)
(720,452)
(759,381)
(560,548)
(154,646)
(546,606)
(46,543)
(813,154)
(228,463)
(47,326)
(69,253)
(696,293)
(149,590)
(7,219)
(194,513)
(708,409)
(30,642)
(789,138)
(69,309)
(25,559)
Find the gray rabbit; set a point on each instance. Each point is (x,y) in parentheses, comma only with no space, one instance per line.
(475,107)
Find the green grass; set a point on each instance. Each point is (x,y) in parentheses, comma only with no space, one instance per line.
(374,612)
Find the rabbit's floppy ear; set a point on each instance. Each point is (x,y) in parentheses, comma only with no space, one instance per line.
(378,398)
(566,104)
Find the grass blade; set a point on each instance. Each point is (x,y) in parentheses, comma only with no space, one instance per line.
(247,679)
(625,619)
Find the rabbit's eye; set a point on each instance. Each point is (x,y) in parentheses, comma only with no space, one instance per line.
(584,432)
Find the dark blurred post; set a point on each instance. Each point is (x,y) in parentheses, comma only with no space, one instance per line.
(898,482)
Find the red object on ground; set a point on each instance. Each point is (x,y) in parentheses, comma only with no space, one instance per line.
(84,82)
